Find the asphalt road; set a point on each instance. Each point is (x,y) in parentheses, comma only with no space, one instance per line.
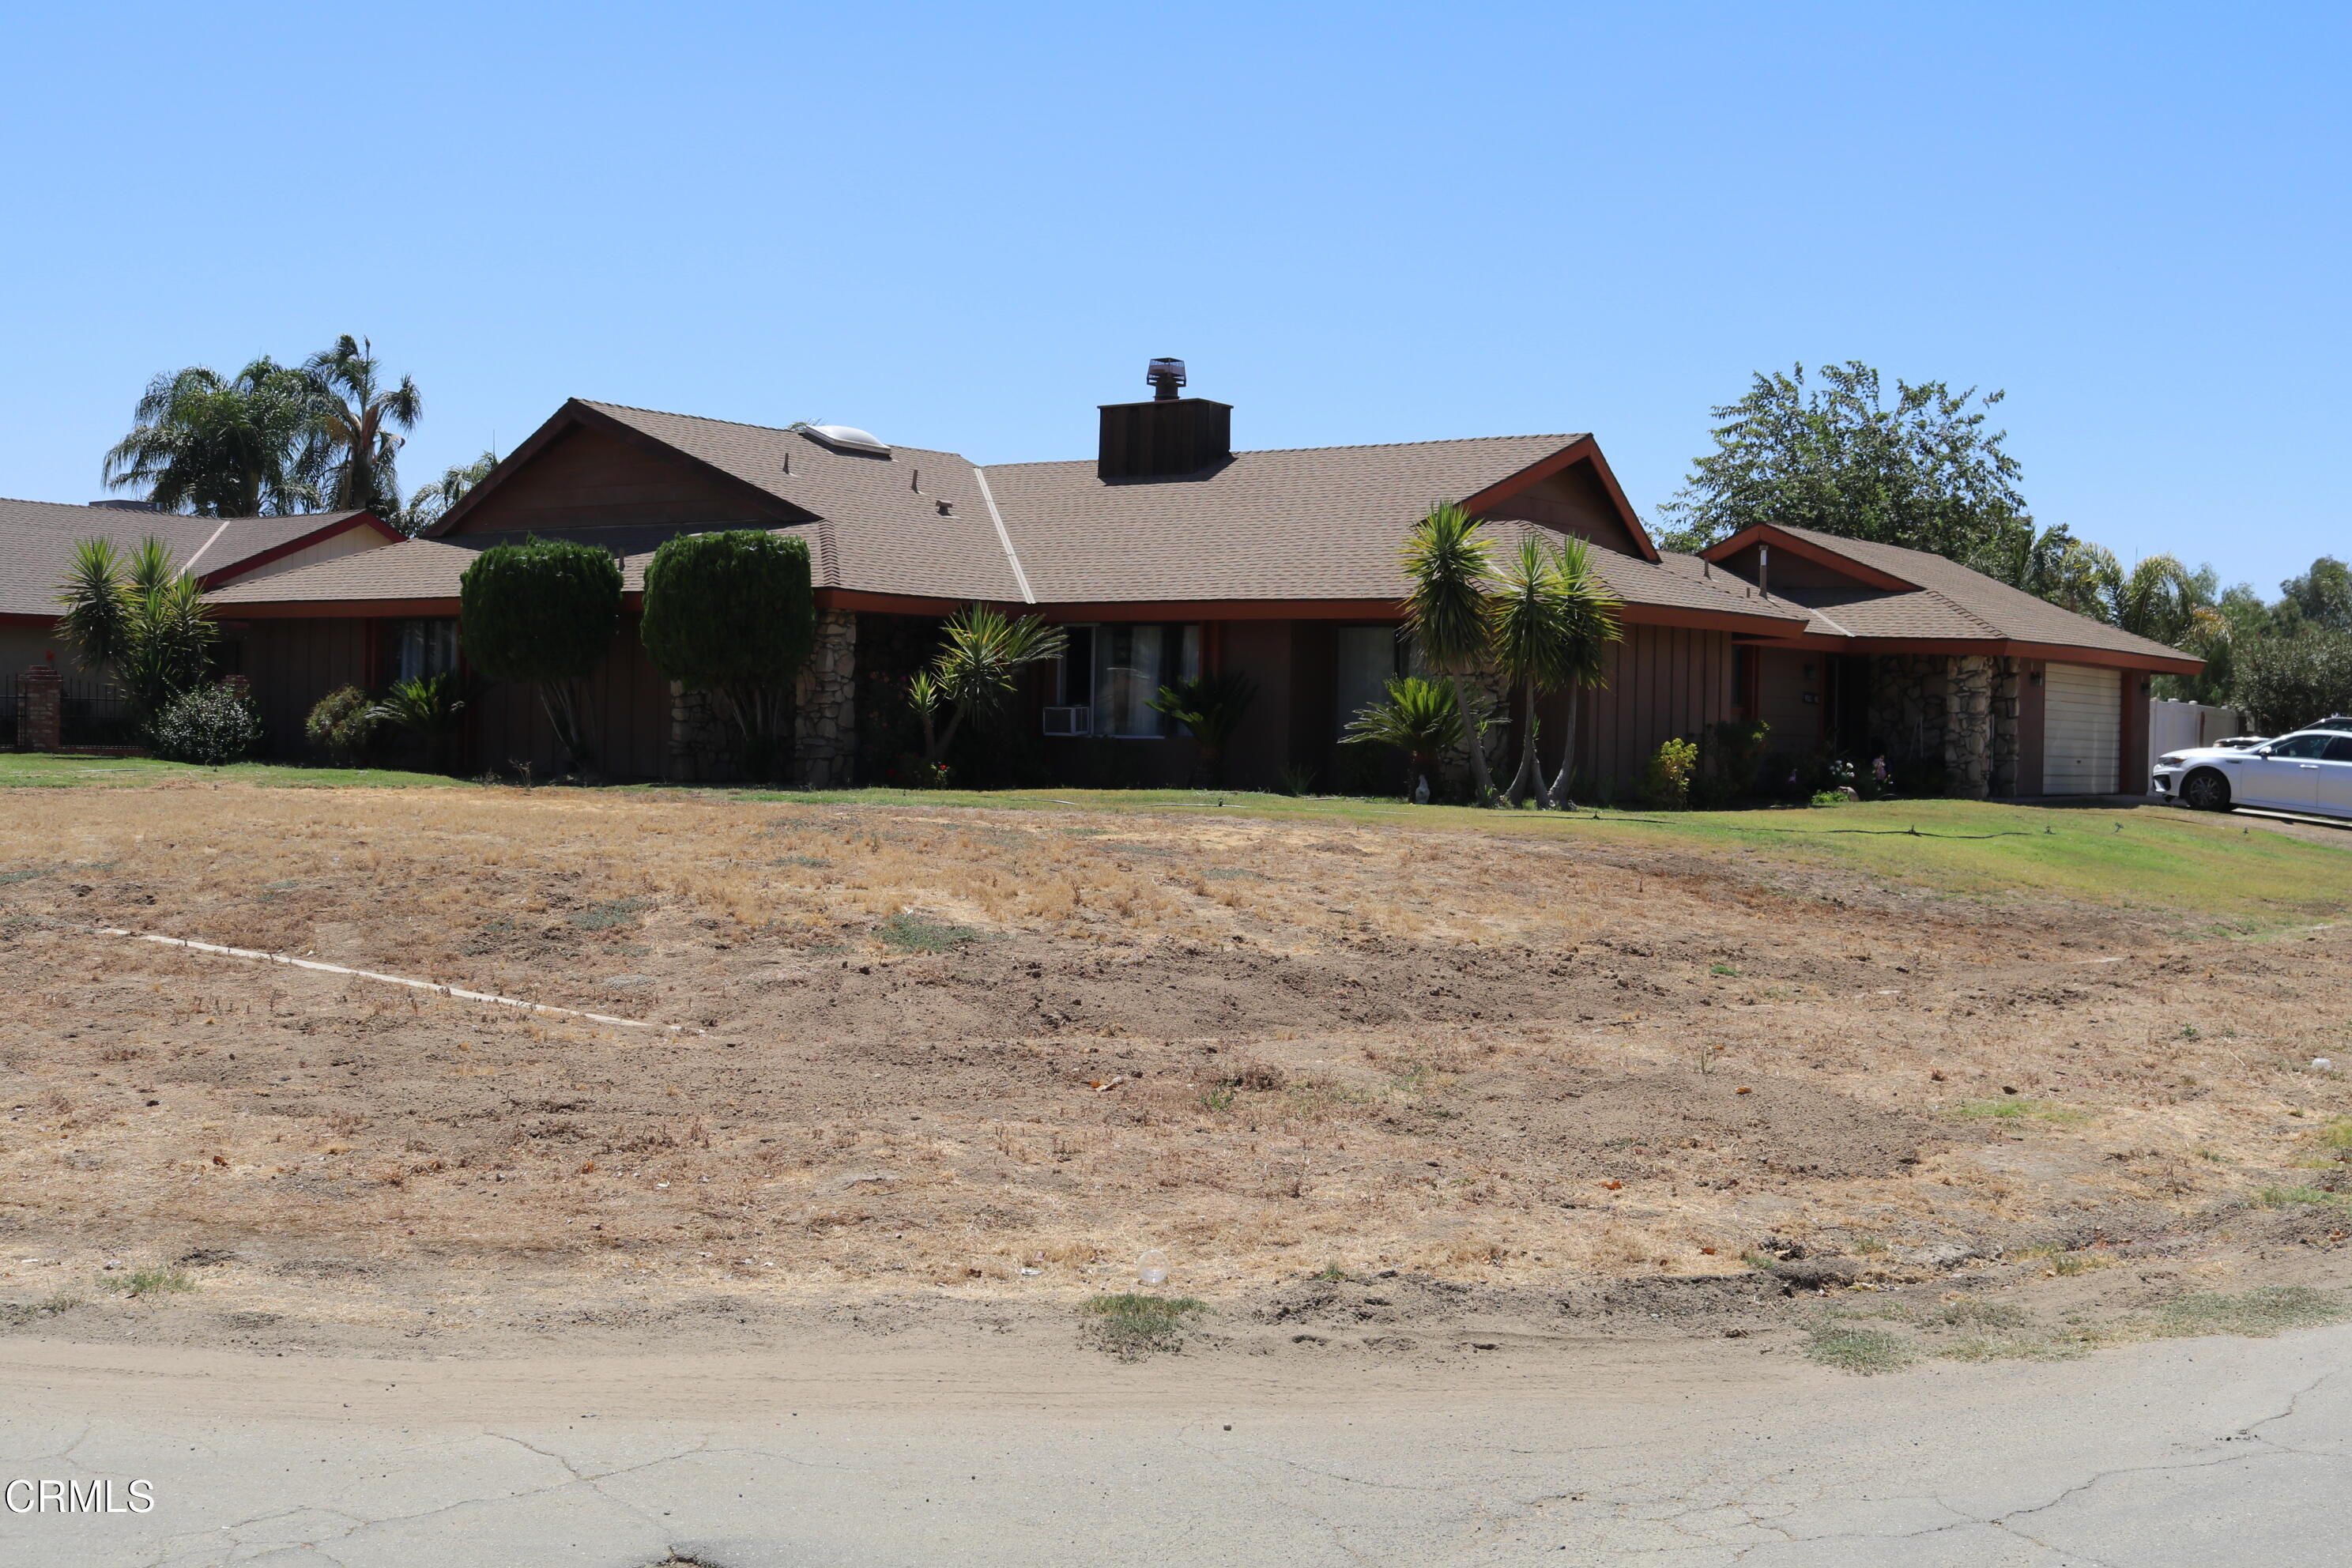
(2187,1452)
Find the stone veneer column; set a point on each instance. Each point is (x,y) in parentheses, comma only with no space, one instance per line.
(40,709)
(824,730)
(1967,725)
(2006,679)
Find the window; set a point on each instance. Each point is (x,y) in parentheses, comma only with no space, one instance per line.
(1743,676)
(2339,750)
(1369,659)
(412,649)
(2301,746)
(1130,664)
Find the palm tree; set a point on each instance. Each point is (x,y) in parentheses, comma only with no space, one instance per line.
(430,707)
(975,674)
(1419,717)
(425,507)
(1211,707)
(1448,564)
(352,446)
(1586,626)
(218,446)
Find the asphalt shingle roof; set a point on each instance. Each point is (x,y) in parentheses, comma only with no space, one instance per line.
(37,540)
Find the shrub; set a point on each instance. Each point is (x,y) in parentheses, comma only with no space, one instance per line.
(733,613)
(1732,755)
(344,724)
(209,725)
(543,612)
(430,707)
(1666,781)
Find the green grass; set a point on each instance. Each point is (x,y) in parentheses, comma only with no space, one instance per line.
(2018,1108)
(34,769)
(1132,1326)
(143,1282)
(2286,1198)
(912,933)
(2260,1312)
(1863,1351)
(612,912)
(2249,883)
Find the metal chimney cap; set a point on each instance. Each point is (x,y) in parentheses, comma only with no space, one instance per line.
(1164,376)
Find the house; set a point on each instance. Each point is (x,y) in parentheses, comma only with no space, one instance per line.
(1168,552)
(36,552)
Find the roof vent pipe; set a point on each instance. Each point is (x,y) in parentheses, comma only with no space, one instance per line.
(1764,569)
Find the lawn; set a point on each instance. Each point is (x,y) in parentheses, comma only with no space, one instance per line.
(2151,857)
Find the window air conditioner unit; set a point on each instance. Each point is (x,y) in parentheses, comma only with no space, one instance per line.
(1069,721)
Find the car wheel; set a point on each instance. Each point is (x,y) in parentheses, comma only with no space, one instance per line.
(2205,789)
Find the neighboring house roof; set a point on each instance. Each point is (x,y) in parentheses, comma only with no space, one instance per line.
(37,540)
(1944,601)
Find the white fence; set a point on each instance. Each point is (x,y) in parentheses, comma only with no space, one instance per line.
(2173,726)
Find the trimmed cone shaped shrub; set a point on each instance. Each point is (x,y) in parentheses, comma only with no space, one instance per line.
(733,613)
(544,611)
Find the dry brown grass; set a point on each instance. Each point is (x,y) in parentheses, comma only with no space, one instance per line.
(1383,1050)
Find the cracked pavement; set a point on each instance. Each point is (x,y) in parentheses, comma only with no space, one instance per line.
(2182,1452)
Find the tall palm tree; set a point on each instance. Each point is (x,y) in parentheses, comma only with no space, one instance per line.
(1448,562)
(1526,614)
(352,442)
(1586,624)
(218,446)
(426,505)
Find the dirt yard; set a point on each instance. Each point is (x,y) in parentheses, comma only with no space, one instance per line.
(969,1066)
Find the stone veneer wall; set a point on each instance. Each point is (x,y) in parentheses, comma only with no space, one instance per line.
(1908,699)
(1967,725)
(825,738)
(701,746)
(2006,678)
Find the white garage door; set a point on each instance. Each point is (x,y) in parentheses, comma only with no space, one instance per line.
(2082,728)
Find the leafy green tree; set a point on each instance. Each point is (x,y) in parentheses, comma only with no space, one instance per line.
(1923,471)
(425,505)
(2284,683)
(142,618)
(1211,707)
(976,672)
(543,612)
(351,432)
(733,613)
(1448,564)
(219,446)
(2320,597)
(1420,718)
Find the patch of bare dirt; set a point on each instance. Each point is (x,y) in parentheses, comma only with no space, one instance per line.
(965,1068)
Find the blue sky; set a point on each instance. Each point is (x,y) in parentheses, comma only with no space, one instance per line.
(965,225)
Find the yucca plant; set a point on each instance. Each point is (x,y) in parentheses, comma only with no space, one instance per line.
(430,707)
(977,672)
(1420,718)
(1447,561)
(1584,624)
(143,618)
(1211,707)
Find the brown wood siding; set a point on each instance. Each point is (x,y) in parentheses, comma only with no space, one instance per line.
(2032,707)
(1789,571)
(1263,744)
(291,664)
(628,719)
(1783,686)
(1663,682)
(589,479)
(1572,501)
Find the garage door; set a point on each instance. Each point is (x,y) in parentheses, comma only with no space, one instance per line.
(2082,728)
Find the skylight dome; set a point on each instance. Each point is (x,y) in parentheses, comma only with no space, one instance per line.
(847,438)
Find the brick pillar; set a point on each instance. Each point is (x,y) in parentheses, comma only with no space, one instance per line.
(824,727)
(40,708)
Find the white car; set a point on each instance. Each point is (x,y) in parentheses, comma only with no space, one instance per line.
(2309,771)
